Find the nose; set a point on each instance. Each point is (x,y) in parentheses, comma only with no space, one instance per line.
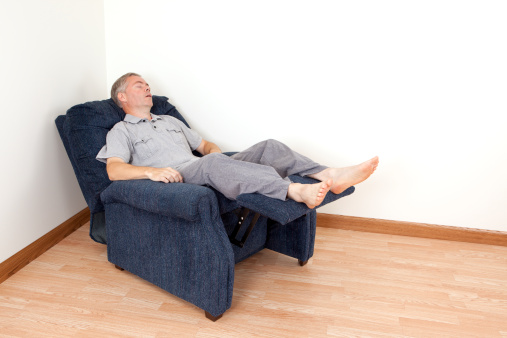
(147,88)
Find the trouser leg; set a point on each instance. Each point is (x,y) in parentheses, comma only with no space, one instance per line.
(279,156)
(232,177)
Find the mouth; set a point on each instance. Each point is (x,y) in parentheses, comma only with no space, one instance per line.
(149,95)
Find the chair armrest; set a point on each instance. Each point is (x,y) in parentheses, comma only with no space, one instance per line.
(172,235)
(169,199)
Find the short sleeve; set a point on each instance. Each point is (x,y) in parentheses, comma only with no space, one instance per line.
(117,145)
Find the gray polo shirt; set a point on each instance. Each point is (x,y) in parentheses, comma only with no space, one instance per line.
(162,142)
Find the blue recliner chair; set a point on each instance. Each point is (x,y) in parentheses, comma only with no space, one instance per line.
(182,237)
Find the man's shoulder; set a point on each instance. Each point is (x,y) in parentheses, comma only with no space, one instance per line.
(173,120)
(119,127)
(168,118)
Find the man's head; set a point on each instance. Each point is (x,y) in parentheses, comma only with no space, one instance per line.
(131,92)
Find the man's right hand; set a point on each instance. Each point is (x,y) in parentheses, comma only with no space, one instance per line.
(166,175)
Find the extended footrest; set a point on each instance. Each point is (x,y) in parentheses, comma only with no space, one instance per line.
(275,210)
(284,212)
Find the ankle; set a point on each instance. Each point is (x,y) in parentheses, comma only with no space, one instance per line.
(293,191)
(321,175)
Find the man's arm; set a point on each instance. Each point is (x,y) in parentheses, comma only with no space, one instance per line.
(207,147)
(118,170)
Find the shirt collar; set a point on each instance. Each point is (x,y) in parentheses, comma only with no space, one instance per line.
(134,119)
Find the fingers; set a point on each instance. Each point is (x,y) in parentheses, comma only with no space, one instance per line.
(168,175)
(173,175)
(172,179)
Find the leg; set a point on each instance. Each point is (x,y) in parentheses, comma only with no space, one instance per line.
(211,317)
(288,162)
(232,178)
(279,156)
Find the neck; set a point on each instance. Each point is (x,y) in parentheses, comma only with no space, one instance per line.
(141,113)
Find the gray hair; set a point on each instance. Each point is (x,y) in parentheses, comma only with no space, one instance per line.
(120,86)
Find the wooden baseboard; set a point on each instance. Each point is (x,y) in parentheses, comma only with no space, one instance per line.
(381,226)
(37,248)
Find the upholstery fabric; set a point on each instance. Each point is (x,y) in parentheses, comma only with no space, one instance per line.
(190,259)
(175,199)
(285,211)
(295,239)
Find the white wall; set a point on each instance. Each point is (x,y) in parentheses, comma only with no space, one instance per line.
(421,84)
(52,57)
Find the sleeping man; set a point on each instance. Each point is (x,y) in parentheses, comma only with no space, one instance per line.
(159,148)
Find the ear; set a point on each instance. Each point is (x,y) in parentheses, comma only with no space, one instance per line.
(122,97)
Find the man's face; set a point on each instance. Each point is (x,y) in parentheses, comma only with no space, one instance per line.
(137,94)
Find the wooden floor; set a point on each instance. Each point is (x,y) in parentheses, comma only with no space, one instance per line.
(357,284)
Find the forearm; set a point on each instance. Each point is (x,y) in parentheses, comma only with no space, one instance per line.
(124,171)
(211,147)
(118,170)
(207,147)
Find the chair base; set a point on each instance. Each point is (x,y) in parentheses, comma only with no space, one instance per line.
(302,263)
(208,315)
(211,317)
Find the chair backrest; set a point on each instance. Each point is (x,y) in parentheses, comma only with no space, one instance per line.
(83,131)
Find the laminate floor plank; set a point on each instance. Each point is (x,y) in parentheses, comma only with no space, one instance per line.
(358,284)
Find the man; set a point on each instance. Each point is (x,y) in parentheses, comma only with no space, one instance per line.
(159,148)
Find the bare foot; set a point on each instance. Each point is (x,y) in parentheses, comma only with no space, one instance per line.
(344,178)
(310,194)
